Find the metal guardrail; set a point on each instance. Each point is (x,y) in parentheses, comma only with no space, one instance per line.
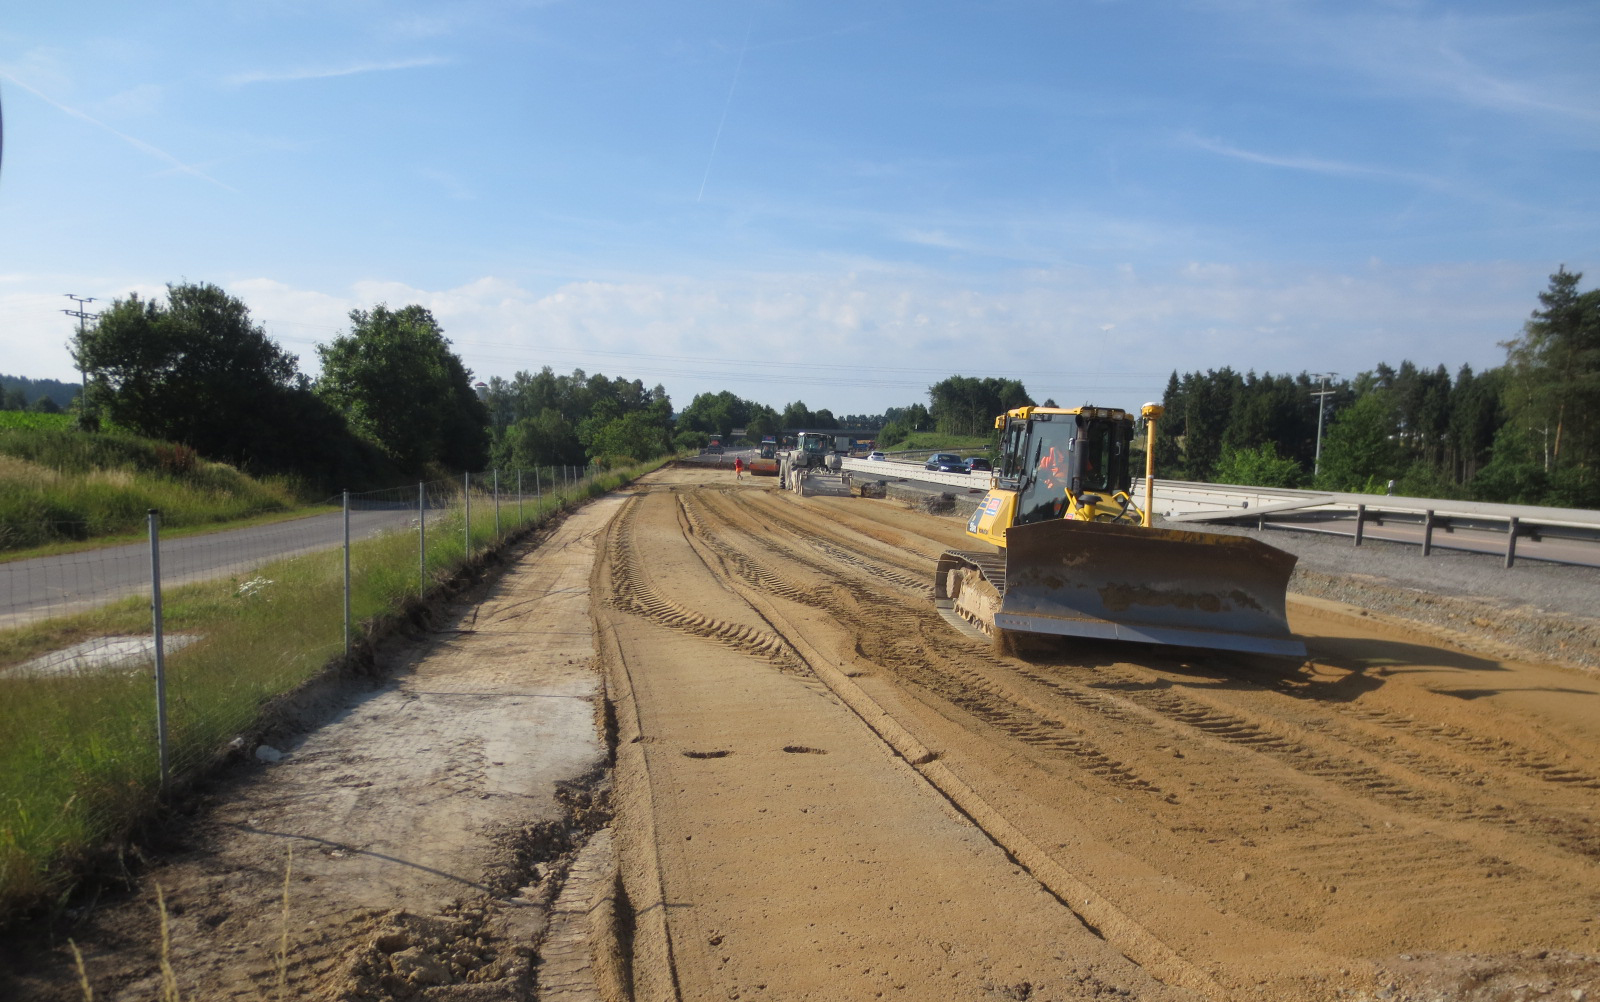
(893,469)
(1333,511)
(1430,522)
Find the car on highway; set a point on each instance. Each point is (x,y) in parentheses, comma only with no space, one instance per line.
(877,457)
(976,464)
(946,462)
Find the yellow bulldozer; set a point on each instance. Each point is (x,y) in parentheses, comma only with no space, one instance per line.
(1074,554)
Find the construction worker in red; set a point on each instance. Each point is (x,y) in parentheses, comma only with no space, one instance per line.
(738,467)
(1050,469)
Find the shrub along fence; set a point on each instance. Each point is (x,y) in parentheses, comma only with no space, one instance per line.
(129,670)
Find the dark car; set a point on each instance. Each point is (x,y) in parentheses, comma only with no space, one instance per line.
(977,464)
(946,462)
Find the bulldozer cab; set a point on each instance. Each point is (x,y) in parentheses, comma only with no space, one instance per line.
(1053,458)
(1080,559)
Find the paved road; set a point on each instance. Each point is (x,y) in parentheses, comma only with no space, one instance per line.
(31,590)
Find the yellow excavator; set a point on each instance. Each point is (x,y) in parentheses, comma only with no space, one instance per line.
(1075,555)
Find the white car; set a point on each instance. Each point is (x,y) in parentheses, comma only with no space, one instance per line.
(877,457)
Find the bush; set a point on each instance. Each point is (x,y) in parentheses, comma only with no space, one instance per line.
(1258,467)
(691,441)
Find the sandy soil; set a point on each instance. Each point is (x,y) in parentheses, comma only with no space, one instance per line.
(1393,815)
(821,790)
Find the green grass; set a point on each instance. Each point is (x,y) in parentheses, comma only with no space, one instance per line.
(30,420)
(932,441)
(62,485)
(78,755)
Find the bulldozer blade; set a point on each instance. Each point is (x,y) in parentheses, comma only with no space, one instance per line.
(1157,586)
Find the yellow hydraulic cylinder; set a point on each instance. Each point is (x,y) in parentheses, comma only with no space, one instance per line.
(1150,412)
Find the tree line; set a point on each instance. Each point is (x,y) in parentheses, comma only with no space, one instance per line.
(392,400)
(957,405)
(44,396)
(1525,432)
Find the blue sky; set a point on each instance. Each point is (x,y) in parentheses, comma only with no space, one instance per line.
(834,202)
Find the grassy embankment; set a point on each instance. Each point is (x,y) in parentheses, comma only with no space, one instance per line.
(78,756)
(933,441)
(59,485)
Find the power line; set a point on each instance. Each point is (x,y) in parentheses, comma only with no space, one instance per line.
(1322,396)
(79,302)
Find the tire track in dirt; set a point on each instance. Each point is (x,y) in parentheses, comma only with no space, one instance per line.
(633,592)
(943,925)
(1367,766)
(961,686)
(1367,808)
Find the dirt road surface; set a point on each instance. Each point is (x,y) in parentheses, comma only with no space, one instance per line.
(420,835)
(822,791)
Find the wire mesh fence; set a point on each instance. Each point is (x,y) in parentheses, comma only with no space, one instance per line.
(130,667)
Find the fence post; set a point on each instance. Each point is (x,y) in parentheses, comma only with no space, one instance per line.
(161,644)
(497,502)
(422,539)
(519,495)
(1361,521)
(346,573)
(1511,541)
(538,492)
(1427,533)
(466,510)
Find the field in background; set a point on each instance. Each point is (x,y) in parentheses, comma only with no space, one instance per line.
(32,421)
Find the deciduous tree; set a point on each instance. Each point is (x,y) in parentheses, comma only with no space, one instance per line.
(400,384)
(194,370)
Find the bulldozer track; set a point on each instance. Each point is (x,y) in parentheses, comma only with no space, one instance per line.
(1408,782)
(1300,802)
(633,592)
(963,688)
(816,787)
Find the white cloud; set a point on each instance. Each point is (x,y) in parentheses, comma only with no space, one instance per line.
(861,340)
(327,72)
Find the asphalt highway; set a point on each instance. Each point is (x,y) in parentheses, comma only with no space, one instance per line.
(43,587)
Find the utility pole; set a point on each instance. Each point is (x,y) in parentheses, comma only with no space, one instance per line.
(79,302)
(1322,396)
